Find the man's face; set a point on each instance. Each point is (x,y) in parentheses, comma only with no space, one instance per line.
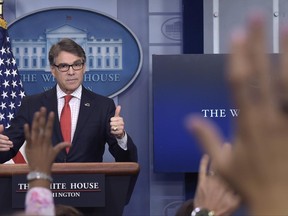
(70,80)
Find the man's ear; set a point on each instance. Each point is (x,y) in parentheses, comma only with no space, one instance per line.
(53,70)
(84,68)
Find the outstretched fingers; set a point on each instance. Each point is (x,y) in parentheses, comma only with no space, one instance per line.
(204,162)
(208,136)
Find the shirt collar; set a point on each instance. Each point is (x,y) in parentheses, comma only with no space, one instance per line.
(77,93)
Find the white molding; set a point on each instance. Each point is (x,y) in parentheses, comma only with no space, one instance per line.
(215,26)
(276,15)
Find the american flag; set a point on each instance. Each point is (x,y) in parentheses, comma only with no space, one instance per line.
(11,87)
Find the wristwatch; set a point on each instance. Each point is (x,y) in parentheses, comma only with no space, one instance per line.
(38,175)
(202,212)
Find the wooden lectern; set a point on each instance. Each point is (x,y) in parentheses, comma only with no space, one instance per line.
(120,179)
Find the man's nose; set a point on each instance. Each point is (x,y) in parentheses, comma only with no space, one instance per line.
(70,70)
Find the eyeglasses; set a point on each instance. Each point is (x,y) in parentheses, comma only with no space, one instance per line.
(65,67)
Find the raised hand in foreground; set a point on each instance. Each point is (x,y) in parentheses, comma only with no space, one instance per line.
(213,193)
(39,150)
(256,165)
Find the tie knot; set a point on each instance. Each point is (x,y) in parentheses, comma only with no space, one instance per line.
(67,98)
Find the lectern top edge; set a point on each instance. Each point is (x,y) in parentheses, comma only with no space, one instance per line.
(112,168)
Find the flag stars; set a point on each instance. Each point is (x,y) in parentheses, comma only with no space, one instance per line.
(14,83)
(2,116)
(22,94)
(8,61)
(13,61)
(7,72)
(4,94)
(3,50)
(11,88)
(12,106)
(3,105)
(10,116)
(13,94)
(5,83)
(14,72)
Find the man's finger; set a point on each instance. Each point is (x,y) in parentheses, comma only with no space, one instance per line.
(117,111)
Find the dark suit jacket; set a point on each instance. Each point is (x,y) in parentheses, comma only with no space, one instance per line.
(91,134)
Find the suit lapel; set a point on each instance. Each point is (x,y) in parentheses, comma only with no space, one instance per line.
(50,102)
(84,112)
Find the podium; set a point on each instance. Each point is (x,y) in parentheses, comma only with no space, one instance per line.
(120,179)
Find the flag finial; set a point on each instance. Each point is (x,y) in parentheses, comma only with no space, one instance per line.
(3,23)
(1,8)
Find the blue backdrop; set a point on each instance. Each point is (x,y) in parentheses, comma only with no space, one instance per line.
(182,85)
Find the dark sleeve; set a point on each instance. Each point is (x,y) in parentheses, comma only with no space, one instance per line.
(186,208)
(132,150)
(120,155)
(16,132)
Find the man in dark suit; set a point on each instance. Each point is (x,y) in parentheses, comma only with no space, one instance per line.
(95,120)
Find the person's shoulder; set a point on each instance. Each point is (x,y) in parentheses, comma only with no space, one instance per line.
(39,95)
(96,96)
(34,96)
